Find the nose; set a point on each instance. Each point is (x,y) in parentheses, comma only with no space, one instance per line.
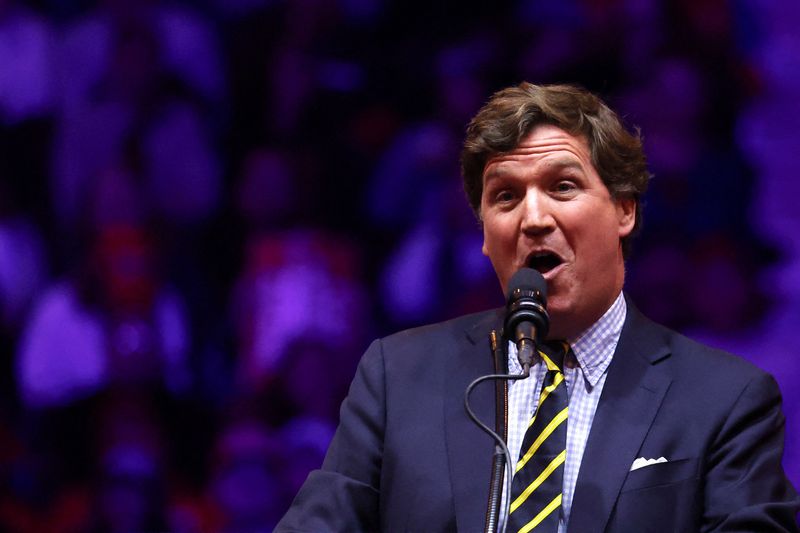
(537,216)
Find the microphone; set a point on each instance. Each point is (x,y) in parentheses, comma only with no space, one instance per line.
(526,314)
(527,321)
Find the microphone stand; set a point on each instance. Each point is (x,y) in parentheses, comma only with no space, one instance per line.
(501,452)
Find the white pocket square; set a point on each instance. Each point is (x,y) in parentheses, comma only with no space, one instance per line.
(641,462)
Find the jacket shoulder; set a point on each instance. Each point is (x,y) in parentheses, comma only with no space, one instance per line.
(475,327)
(684,356)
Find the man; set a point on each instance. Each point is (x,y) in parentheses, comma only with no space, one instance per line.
(662,434)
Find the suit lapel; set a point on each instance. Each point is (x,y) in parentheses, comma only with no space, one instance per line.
(469,449)
(632,394)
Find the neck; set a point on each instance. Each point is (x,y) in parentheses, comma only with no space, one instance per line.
(571,327)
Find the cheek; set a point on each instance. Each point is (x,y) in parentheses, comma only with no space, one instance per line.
(599,251)
(499,245)
(596,227)
(499,238)
(492,234)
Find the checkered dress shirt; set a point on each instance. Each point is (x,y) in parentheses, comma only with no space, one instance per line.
(585,376)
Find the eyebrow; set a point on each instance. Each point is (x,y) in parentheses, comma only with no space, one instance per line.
(557,164)
(566,162)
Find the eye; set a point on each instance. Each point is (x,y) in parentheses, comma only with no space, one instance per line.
(504,196)
(565,187)
(501,194)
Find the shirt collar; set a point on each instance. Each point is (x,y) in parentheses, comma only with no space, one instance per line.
(593,348)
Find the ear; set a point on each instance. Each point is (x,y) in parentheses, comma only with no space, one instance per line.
(484,250)
(626,215)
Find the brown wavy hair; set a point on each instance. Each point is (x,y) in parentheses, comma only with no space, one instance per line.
(512,113)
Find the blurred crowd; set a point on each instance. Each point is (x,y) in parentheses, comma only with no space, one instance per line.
(208,209)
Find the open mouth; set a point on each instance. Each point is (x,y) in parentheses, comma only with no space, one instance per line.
(544,262)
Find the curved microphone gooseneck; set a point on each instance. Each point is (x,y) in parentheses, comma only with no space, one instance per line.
(527,322)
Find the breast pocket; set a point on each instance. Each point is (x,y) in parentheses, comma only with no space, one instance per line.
(660,474)
(659,498)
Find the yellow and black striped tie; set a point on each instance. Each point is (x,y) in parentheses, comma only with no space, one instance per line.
(537,484)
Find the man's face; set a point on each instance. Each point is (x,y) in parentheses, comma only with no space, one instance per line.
(544,206)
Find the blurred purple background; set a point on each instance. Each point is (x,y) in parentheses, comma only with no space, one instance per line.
(209,208)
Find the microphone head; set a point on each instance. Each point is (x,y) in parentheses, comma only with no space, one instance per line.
(527,282)
(526,305)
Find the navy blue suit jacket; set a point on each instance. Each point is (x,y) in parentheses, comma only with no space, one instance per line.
(407,458)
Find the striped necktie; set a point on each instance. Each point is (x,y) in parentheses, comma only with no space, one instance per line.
(537,483)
